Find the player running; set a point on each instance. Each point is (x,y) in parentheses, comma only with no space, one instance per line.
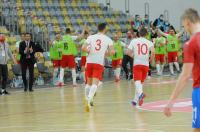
(191,22)
(96,46)
(140,49)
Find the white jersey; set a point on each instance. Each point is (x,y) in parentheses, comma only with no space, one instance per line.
(141,50)
(99,44)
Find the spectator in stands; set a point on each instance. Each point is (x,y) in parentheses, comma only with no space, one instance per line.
(166,26)
(27,60)
(159,22)
(5,54)
(146,21)
(137,22)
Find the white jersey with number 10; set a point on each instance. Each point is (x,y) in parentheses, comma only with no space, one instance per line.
(99,43)
(141,50)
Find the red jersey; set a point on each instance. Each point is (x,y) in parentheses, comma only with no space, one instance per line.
(192,55)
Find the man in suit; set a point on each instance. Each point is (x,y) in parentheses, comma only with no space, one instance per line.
(27,60)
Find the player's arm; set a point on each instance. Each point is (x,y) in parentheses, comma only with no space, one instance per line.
(86,47)
(111,50)
(81,36)
(162,33)
(163,42)
(182,81)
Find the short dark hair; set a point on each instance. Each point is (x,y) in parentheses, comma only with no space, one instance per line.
(28,34)
(192,15)
(68,30)
(101,26)
(143,32)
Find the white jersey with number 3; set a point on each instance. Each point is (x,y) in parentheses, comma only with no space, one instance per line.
(99,44)
(141,50)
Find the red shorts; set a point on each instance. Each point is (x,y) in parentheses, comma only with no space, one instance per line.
(172,57)
(83,61)
(56,63)
(68,61)
(140,72)
(94,70)
(116,63)
(160,58)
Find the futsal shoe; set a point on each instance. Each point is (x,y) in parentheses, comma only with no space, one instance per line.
(133,103)
(91,102)
(87,106)
(141,99)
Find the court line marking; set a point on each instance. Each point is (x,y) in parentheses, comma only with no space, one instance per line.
(161,111)
(79,129)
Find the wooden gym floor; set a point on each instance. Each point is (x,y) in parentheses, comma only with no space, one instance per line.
(62,109)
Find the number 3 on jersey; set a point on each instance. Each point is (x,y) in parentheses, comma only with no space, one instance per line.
(98,45)
(142,49)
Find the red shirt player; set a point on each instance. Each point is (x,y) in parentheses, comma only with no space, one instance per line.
(96,46)
(191,22)
(140,49)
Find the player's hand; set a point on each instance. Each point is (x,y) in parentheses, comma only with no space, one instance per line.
(26,50)
(167,110)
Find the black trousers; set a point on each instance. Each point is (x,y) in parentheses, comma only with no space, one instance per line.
(127,59)
(30,66)
(4,75)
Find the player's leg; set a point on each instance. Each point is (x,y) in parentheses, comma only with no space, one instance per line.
(158,69)
(83,61)
(114,66)
(130,60)
(196,109)
(197,130)
(96,76)
(137,73)
(72,66)
(170,61)
(162,64)
(55,71)
(145,70)
(124,65)
(175,58)
(62,70)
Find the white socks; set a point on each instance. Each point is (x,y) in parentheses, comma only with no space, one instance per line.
(55,72)
(61,75)
(93,90)
(117,72)
(138,90)
(74,76)
(171,68)
(87,90)
(177,66)
(162,68)
(158,68)
(83,76)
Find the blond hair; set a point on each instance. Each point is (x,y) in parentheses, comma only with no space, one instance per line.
(191,15)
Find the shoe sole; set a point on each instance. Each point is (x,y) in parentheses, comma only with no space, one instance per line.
(134,103)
